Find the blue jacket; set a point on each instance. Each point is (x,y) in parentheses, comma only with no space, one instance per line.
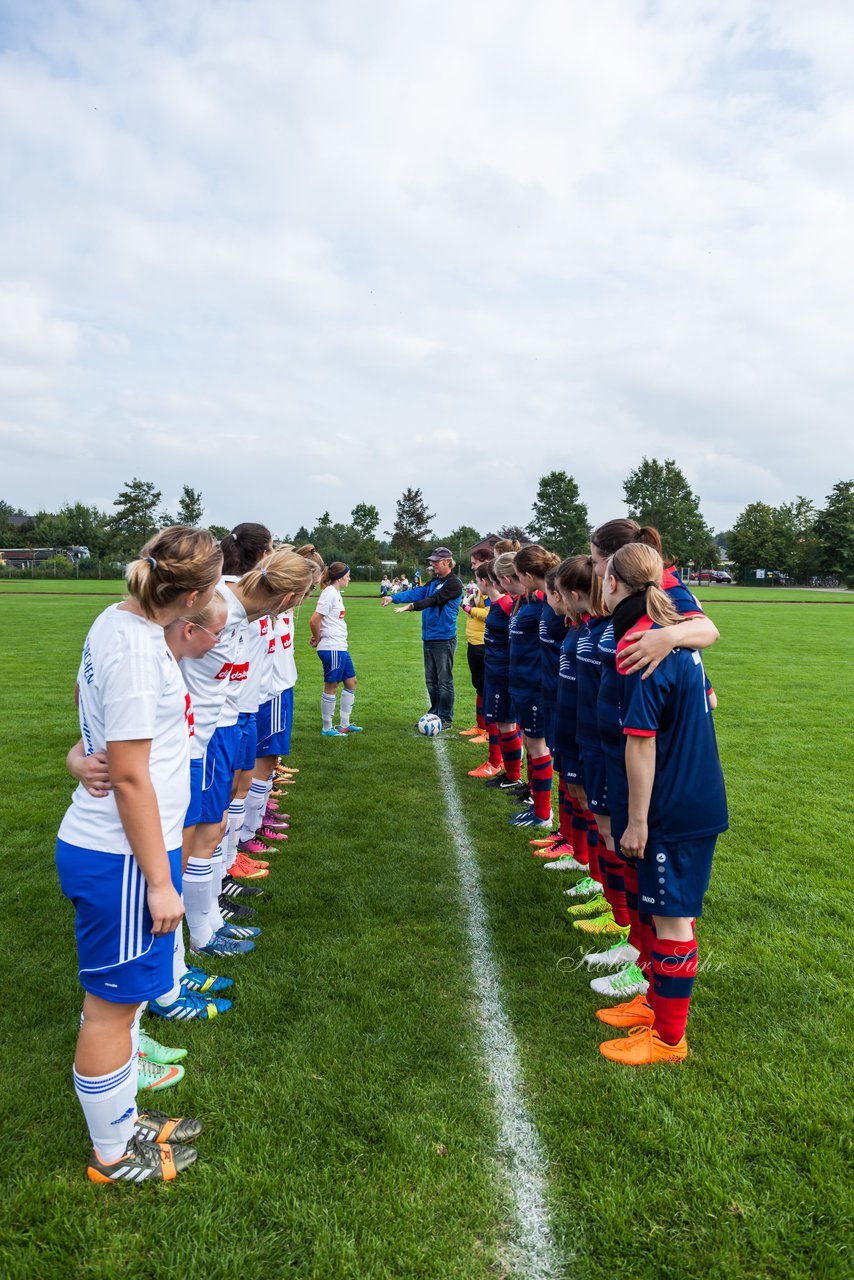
(438,603)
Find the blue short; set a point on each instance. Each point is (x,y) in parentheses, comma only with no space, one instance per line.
(337,665)
(673,876)
(275,721)
(551,724)
(617,785)
(595,780)
(530,716)
(497,707)
(194,808)
(247,723)
(569,768)
(219,773)
(118,958)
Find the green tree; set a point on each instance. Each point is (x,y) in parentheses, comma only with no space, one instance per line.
(219,531)
(363,547)
(411,526)
(459,540)
(658,494)
(134,519)
(801,556)
(514,533)
(302,536)
(834,528)
(560,517)
(758,539)
(190,508)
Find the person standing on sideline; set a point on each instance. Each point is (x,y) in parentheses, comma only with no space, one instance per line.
(439,604)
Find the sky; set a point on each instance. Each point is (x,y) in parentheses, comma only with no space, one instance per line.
(301,256)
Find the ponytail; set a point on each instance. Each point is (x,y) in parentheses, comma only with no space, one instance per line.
(175,561)
(639,567)
(282,573)
(612,535)
(535,560)
(244,547)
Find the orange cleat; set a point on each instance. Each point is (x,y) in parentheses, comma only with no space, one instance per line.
(642,1047)
(244,868)
(558,848)
(485,771)
(474,732)
(482,740)
(635,1013)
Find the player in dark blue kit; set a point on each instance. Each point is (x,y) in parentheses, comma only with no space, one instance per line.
(676,806)
(497,709)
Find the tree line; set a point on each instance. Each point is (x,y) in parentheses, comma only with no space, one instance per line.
(797,539)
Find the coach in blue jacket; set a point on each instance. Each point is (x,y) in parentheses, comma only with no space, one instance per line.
(438,603)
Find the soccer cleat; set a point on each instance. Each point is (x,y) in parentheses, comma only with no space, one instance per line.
(275,822)
(584,888)
(350,728)
(253,846)
(230,910)
(595,907)
(497,781)
(278,794)
(190,1006)
(518,790)
(158,1126)
(143,1162)
(615,957)
(567,863)
(604,924)
(162,1054)
(527,818)
(642,1047)
(286,768)
(557,849)
(625,983)
(270,833)
(224,948)
(474,732)
(634,1013)
(484,771)
(547,842)
(231,889)
(240,931)
(244,868)
(153,1076)
(332,733)
(205,983)
(482,740)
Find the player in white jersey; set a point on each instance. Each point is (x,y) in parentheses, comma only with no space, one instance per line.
(119,855)
(329,638)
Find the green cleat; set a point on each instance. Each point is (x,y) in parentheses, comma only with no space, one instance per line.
(593,907)
(161,1053)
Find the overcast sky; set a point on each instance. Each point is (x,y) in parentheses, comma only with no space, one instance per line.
(301,255)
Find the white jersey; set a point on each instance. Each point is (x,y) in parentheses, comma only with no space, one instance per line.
(284,665)
(208,677)
(131,689)
(333,628)
(257,653)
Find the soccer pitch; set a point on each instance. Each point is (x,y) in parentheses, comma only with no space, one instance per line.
(351,1123)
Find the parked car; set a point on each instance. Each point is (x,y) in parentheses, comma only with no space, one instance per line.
(714,575)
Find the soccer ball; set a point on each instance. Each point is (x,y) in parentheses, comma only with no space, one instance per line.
(429,725)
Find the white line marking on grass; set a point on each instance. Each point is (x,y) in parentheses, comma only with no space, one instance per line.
(519,1148)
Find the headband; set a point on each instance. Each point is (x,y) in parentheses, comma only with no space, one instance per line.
(343,574)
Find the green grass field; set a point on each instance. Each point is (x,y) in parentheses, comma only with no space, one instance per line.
(350,1124)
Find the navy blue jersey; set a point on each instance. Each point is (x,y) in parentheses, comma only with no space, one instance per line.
(525,663)
(683,600)
(589,673)
(608,698)
(688,796)
(496,640)
(566,744)
(552,632)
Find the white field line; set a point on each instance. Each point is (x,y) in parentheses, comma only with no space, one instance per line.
(520,1153)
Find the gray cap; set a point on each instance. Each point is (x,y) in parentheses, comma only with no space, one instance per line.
(441,553)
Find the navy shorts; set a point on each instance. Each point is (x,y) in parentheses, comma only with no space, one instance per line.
(337,665)
(194,808)
(275,721)
(247,723)
(118,958)
(673,876)
(497,708)
(595,780)
(569,768)
(219,773)
(551,722)
(530,715)
(617,785)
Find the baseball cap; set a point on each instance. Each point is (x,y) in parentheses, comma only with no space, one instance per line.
(441,553)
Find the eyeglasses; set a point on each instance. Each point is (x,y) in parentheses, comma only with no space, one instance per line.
(216,635)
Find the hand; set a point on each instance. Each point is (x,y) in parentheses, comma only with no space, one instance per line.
(404,608)
(713,699)
(645,650)
(91,771)
(166,909)
(314,642)
(386,601)
(634,838)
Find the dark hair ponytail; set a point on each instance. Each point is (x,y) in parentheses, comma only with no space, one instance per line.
(244,547)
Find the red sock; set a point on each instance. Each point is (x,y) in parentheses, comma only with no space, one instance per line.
(630,883)
(478,713)
(511,752)
(674,968)
(578,833)
(494,746)
(614,886)
(541,774)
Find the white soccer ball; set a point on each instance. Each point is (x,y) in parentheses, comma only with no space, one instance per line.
(429,725)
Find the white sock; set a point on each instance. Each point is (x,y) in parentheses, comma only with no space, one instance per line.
(109,1107)
(236,811)
(179,959)
(327,710)
(347,700)
(255,802)
(198,883)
